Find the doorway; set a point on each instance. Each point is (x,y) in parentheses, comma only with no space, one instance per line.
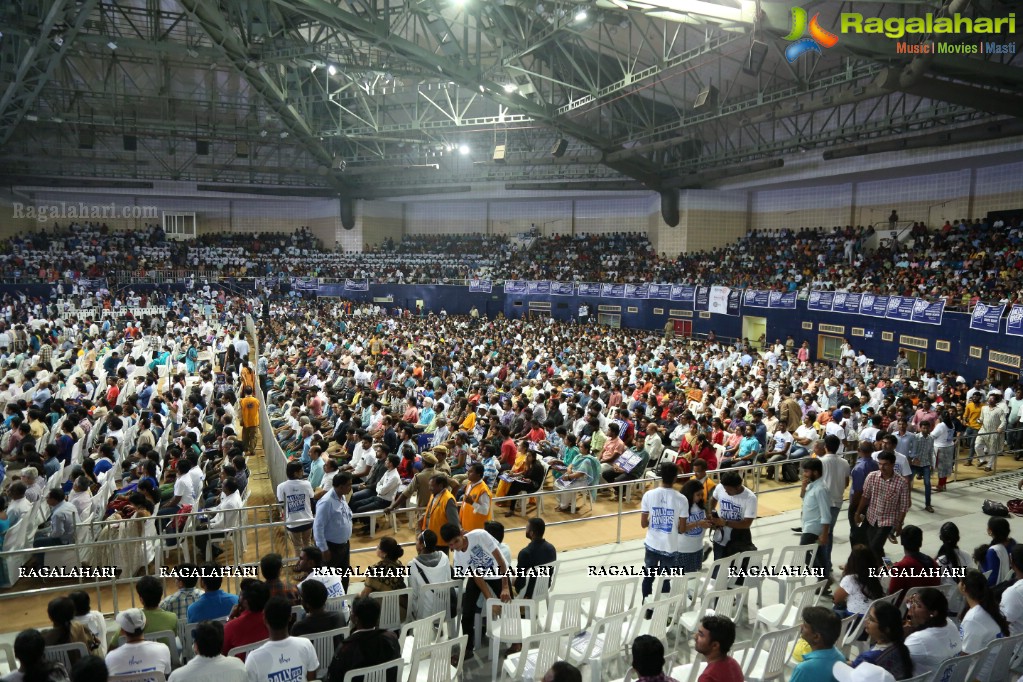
(753,328)
(1001,378)
(917,358)
(683,328)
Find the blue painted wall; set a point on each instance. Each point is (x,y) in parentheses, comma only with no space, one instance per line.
(955,328)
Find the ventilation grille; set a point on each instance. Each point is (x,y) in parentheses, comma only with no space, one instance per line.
(1003,358)
(832,328)
(912,341)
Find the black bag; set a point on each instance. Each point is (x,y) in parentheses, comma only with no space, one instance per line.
(993,508)
(790,472)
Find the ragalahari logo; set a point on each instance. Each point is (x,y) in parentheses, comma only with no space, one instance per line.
(817,39)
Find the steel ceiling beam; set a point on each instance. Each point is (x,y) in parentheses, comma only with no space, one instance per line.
(376,31)
(217,27)
(41,60)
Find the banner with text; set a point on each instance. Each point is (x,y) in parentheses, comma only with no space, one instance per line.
(562,288)
(612,291)
(718,300)
(662,291)
(928,312)
(637,291)
(900,308)
(481,286)
(874,306)
(701,299)
(1014,325)
(311,284)
(987,318)
(778,299)
(820,300)
(515,286)
(683,293)
(589,289)
(538,287)
(846,303)
(757,299)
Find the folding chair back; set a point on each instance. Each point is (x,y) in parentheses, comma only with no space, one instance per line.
(538,654)
(766,660)
(419,633)
(853,637)
(153,676)
(999,655)
(959,668)
(324,644)
(377,673)
(240,651)
(390,607)
(616,596)
(66,654)
(568,611)
(432,663)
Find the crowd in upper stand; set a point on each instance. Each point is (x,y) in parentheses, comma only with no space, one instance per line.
(964,261)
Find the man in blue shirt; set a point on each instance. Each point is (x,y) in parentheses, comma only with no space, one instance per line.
(145,394)
(214,603)
(816,510)
(332,526)
(865,464)
(820,628)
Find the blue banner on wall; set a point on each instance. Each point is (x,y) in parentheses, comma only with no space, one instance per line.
(778,299)
(311,284)
(820,300)
(874,306)
(562,288)
(701,300)
(685,293)
(483,286)
(612,291)
(535,286)
(588,289)
(846,303)
(662,291)
(637,291)
(987,318)
(515,286)
(1014,325)
(734,302)
(900,308)
(928,312)
(757,299)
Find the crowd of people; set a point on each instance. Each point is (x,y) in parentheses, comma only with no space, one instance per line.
(963,262)
(376,409)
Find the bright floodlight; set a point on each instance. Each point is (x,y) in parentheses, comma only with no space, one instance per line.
(332,70)
(580,16)
(464,149)
(510,88)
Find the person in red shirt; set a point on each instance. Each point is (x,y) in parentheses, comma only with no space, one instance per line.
(508,449)
(246,625)
(112,391)
(914,564)
(714,639)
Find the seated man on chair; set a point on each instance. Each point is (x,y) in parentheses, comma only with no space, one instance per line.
(63,519)
(367,645)
(225,517)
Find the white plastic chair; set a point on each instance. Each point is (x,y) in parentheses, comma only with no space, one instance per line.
(153,676)
(663,611)
(390,607)
(793,555)
(240,651)
(601,648)
(439,594)
(616,596)
(959,668)
(570,611)
(727,603)
(999,655)
(539,652)
(378,673)
(61,653)
(787,614)
(432,663)
(420,633)
(508,623)
(766,660)
(324,644)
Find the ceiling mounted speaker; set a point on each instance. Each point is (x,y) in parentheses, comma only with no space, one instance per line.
(708,99)
(202,147)
(755,60)
(499,153)
(559,148)
(86,138)
(241,150)
(131,143)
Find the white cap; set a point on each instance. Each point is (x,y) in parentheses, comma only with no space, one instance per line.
(864,672)
(131,620)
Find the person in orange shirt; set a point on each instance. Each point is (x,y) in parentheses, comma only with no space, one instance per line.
(250,420)
(476,507)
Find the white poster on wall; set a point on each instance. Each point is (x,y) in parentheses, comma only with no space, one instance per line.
(719,300)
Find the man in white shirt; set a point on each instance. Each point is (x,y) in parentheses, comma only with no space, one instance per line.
(209,665)
(283,658)
(137,655)
(310,562)
(804,438)
(225,516)
(835,477)
(664,514)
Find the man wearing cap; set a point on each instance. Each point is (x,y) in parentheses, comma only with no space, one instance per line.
(137,655)
(993,418)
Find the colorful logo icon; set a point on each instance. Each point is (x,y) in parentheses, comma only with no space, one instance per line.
(817,39)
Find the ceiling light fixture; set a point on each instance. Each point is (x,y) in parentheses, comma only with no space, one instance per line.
(332,70)
(510,88)
(112,45)
(464,150)
(581,16)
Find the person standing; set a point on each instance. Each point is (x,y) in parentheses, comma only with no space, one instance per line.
(296,495)
(993,418)
(441,508)
(332,527)
(835,477)
(923,459)
(816,514)
(250,420)
(665,513)
(734,508)
(884,503)
(971,418)
(864,466)
(476,507)
(943,434)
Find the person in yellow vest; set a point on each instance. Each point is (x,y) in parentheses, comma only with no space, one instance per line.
(441,509)
(476,507)
(250,420)
(248,377)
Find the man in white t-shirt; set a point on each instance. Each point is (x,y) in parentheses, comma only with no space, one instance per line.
(297,496)
(664,514)
(902,467)
(477,555)
(310,562)
(283,658)
(735,508)
(209,665)
(137,655)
